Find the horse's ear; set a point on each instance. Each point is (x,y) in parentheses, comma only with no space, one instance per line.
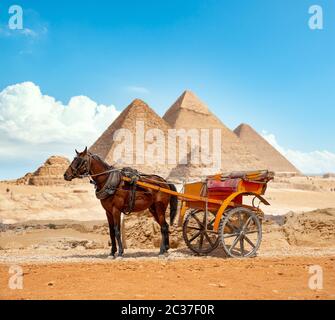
(77,152)
(85,151)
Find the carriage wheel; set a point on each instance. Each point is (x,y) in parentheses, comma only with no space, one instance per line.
(240,232)
(198,232)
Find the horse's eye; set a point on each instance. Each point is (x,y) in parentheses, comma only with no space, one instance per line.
(76,162)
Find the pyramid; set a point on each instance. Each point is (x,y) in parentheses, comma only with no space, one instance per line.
(189,112)
(50,173)
(189,172)
(273,159)
(137,112)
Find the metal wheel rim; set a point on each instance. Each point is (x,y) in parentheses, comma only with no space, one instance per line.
(240,236)
(207,234)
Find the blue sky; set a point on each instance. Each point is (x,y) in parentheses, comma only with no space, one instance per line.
(250,61)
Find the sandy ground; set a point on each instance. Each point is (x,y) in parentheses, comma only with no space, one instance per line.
(260,278)
(68,259)
(281,270)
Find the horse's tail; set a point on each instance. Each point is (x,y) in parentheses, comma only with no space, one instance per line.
(173,204)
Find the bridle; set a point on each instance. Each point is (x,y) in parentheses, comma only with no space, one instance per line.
(85,163)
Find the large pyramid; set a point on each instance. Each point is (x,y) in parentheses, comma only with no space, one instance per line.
(137,116)
(188,112)
(273,159)
(187,171)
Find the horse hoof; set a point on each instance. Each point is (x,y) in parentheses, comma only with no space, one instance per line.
(162,256)
(119,258)
(111,257)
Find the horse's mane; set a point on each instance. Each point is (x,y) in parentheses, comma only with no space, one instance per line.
(98,158)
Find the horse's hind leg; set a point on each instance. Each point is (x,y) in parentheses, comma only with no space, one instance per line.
(165,236)
(159,216)
(123,231)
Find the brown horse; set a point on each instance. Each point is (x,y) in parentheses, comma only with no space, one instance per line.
(86,164)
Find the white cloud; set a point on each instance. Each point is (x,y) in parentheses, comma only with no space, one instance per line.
(27,32)
(34,125)
(314,162)
(137,89)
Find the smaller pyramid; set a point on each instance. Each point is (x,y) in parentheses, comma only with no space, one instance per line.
(256,144)
(50,173)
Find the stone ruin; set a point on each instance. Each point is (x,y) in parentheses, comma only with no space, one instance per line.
(50,173)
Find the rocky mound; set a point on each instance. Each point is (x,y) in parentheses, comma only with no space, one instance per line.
(329,175)
(141,231)
(50,173)
(315,228)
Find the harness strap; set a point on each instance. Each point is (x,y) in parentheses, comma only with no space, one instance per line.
(113,181)
(134,176)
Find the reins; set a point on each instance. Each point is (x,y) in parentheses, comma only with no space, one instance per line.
(88,175)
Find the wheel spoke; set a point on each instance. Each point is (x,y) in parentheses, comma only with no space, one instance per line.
(209,239)
(239,220)
(249,241)
(242,246)
(201,240)
(193,228)
(236,232)
(232,226)
(198,221)
(230,235)
(195,236)
(204,219)
(247,223)
(198,231)
(251,232)
(234,243)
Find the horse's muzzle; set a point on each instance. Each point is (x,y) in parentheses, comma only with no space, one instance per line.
(67,177)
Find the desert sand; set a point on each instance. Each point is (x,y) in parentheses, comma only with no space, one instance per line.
(59,236)
(268,278)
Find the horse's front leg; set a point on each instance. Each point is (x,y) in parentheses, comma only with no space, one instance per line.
(111,233)
(117,230)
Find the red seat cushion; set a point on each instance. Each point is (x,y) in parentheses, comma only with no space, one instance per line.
(227,186)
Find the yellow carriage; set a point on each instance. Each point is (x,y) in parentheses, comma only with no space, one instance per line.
(213,211)
(217,213)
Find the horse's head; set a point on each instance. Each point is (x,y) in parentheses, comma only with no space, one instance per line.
(79,167)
